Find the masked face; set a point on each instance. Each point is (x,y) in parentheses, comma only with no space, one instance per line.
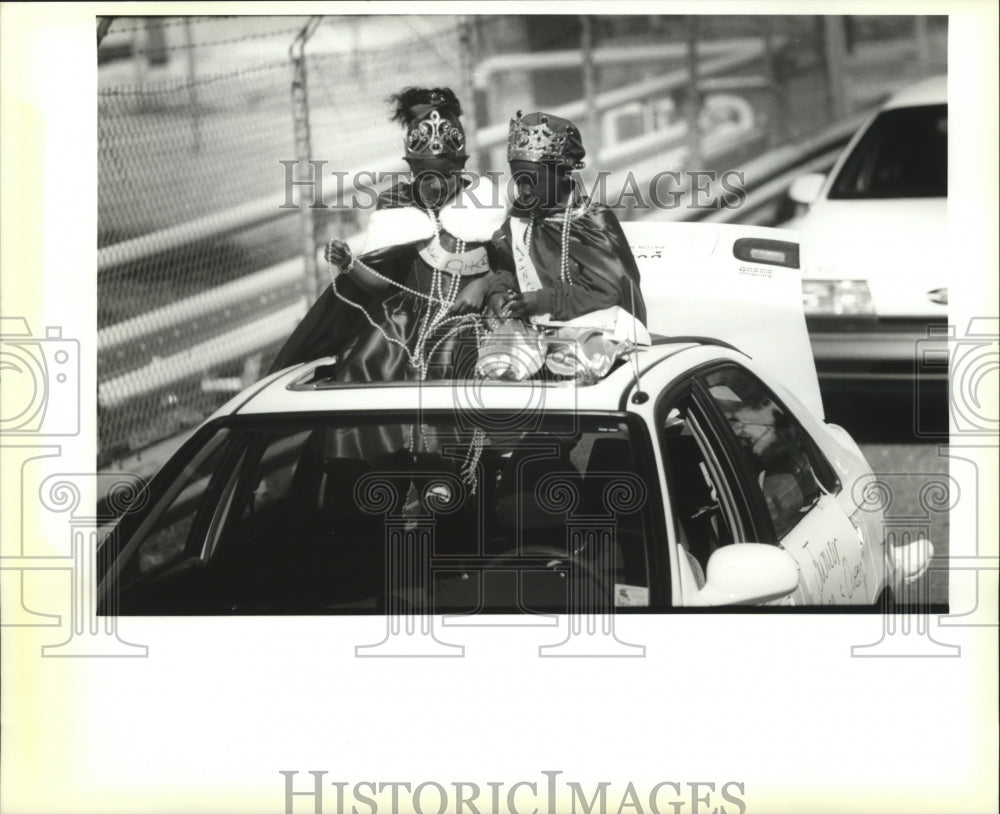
(538,186)
(435,180)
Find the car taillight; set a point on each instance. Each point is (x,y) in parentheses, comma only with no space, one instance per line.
(836,297)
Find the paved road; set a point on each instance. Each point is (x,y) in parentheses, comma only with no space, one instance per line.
(914,468)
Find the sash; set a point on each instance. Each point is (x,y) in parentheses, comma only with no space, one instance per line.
(467,264)
(614,321)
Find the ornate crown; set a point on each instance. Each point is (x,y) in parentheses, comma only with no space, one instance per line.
(538,137)
(435,135)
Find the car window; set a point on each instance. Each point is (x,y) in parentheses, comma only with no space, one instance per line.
(704,515)
(904,154)
(162,539)
(349,515)
(773,445)
(270,475)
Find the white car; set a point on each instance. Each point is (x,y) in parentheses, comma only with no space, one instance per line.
(874,248)
(698,473)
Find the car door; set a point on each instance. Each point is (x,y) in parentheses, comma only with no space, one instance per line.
(705,513)
(789,487)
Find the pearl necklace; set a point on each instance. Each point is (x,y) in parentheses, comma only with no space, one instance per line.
(459,243)
(355,263)
(444,299)
(564,275)
(419,358)
(440,296)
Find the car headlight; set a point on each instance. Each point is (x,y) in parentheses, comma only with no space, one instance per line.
(836,297)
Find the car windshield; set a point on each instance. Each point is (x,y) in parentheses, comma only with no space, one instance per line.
(904,154)
(344,515)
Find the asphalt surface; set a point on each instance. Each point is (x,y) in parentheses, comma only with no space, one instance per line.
(914,466)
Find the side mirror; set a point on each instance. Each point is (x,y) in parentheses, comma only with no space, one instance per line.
(747,573)
(805,189)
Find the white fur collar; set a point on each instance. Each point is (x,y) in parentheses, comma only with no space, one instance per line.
(395,227)
(472,216)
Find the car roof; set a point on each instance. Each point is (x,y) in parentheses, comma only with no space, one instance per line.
(931,91)
(305,389)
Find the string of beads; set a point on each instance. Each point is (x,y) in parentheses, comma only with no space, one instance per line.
(564,275)
(440,299)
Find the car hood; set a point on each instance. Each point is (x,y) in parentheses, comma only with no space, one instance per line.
(898,246)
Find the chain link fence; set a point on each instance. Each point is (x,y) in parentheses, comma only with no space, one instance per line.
(192,116)
(202,272)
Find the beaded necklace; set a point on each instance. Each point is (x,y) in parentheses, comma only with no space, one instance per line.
(459,243)
(564,275)
(443,295)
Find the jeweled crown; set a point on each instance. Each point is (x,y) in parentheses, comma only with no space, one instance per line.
(539,137)
(435,135)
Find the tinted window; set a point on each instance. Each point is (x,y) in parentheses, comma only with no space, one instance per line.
(313,516)
(165,535)
(772,444)
(703,517)
(904,154)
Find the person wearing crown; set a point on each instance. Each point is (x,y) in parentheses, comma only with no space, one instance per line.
(397,310)
(564,271)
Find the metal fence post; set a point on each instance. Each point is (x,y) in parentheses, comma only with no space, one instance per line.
(834,50)
(693,107)
(467,64)
(590,82)
(777,129)
(303,148)
(192,85)
(103,26)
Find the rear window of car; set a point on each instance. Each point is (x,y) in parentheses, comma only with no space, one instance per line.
(904,154)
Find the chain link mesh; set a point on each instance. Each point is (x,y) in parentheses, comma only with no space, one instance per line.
(201,273)
(191,123)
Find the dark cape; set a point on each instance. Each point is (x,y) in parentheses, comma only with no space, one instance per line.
(602,268)
(331,324)
(333,327)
